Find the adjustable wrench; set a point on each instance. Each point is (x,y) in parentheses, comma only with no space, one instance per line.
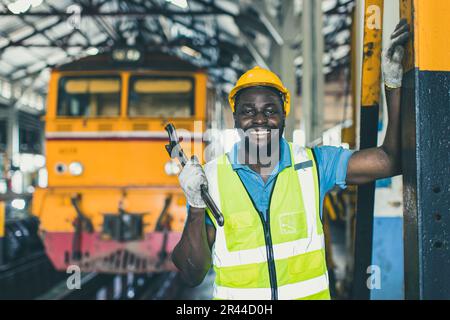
(175,151)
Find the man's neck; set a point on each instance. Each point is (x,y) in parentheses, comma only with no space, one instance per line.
(260,162)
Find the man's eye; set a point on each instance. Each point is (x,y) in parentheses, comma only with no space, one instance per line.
(249,112)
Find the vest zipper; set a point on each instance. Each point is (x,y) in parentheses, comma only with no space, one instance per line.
(268,240)
(270,255)
(269,246)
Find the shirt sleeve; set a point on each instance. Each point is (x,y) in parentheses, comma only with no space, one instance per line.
(332,163)
(207,218)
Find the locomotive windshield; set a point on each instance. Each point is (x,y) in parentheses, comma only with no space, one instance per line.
(89,97)
(161,97)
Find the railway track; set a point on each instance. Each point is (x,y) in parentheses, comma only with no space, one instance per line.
(27,277)
(34,277)
(167,286)
(93,286)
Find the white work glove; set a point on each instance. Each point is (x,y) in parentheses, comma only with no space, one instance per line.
(393,56)
(191,178)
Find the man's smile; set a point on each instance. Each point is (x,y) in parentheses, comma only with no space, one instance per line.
(259,133)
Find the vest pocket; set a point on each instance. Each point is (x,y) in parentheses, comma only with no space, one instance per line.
(242,220)
(291,226)
(307,266)
(241,229)
(244,276)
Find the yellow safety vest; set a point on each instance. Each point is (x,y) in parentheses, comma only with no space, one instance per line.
(281,258)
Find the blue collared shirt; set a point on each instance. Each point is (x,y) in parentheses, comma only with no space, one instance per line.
(259,190)
(332,163)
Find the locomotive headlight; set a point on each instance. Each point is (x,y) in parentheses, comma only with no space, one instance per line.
(18,204)
(171,168)
(126,55)
(75,168)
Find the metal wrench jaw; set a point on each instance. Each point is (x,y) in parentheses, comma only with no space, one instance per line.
(175,152)
(174,148)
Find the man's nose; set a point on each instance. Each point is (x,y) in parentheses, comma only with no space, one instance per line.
(260,117)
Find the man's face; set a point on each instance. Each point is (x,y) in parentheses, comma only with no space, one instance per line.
(260,115)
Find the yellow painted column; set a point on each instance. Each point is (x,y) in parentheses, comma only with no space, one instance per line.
(373,37)
(2,230)
(2,219)
(370,100)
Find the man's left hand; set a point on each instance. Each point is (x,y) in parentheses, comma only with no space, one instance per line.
(393,56)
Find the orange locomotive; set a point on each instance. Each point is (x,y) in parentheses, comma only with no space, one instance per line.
(113,203)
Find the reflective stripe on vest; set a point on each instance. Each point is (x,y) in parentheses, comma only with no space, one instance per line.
(240,249)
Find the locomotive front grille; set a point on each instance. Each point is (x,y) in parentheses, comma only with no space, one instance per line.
(123,227)
(119,262)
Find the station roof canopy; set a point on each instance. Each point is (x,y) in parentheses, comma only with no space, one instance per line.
(224,36)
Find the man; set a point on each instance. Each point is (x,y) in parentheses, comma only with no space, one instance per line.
(270,193)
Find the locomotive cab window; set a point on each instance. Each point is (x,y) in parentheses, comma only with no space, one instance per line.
(89,97)
(161,97)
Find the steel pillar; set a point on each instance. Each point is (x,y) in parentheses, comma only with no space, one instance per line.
(313,79)
(426,151)
(283,56)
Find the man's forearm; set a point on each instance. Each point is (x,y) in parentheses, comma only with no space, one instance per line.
(392,142)
(192,254)
(376,163)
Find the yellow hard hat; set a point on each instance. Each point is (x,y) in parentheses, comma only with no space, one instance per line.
(260,77)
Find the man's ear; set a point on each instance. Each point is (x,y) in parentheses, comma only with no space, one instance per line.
(284,118)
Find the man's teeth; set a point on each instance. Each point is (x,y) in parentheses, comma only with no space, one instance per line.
(259,133)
